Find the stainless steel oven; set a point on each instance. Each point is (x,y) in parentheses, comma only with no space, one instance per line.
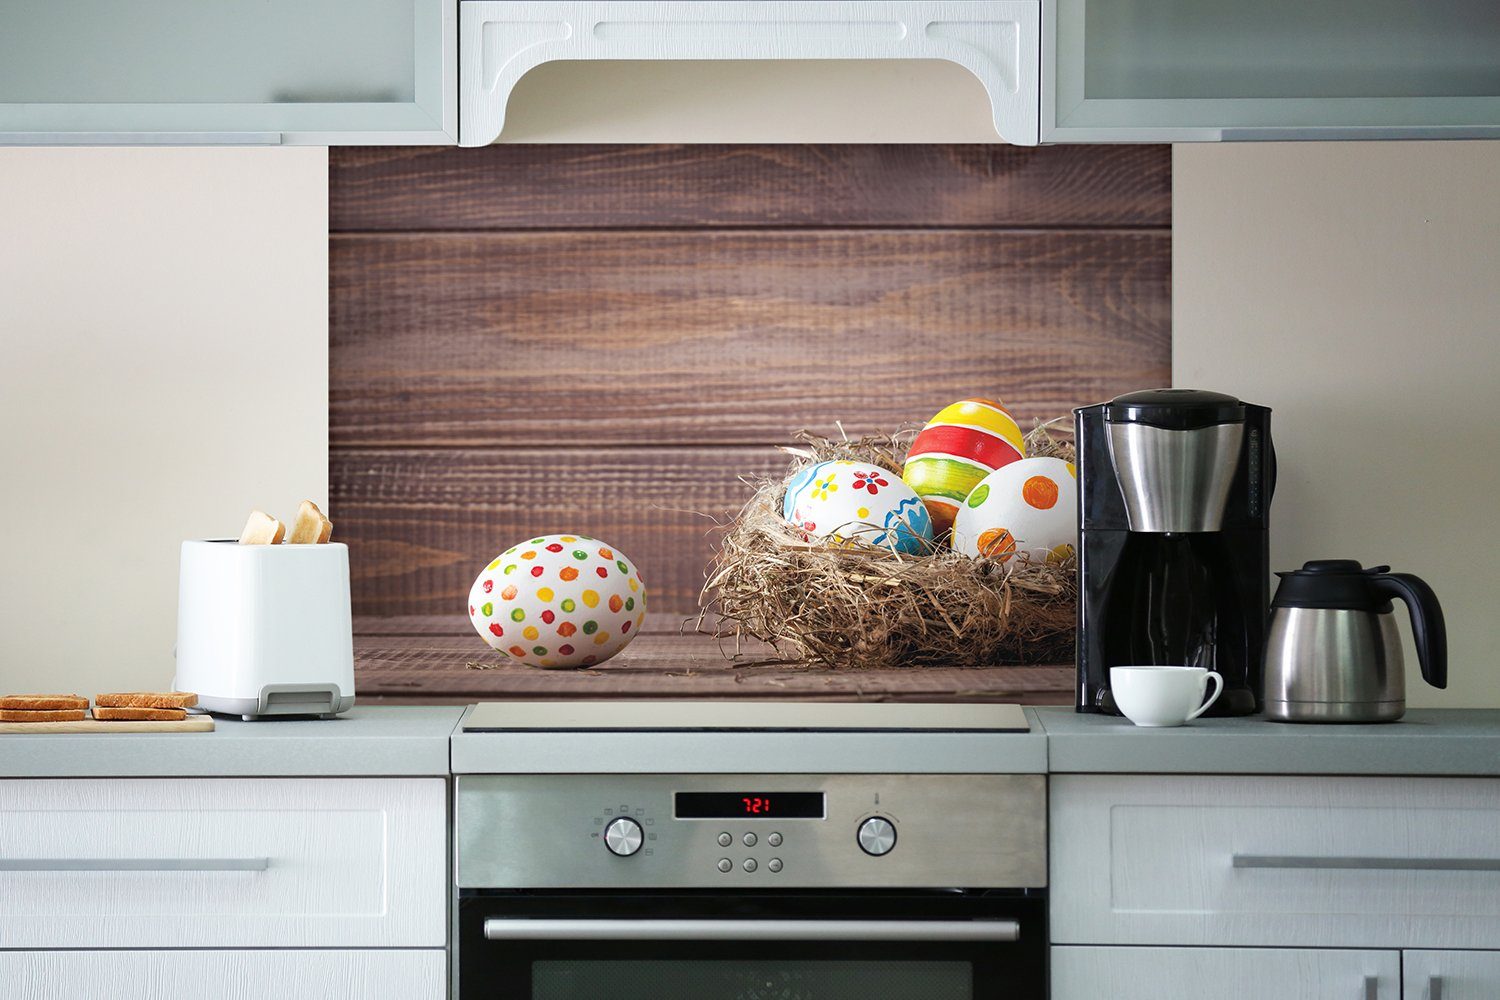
(751,887)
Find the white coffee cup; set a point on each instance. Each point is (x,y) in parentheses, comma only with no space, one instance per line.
(1163,696)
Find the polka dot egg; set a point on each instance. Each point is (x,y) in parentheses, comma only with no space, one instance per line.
(559,601)
(842,500)
(1025,508)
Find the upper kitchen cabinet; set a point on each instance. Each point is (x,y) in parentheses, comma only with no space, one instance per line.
(320,72)
(997,41)
(1183,70)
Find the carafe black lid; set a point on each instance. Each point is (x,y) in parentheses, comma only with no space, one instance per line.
(1332,583)
(1175,409)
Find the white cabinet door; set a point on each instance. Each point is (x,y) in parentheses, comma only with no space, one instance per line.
(1182,70)
(223,862)
(187,71)
(224,975)
(1450,975)
(1307,862)
(1224,974)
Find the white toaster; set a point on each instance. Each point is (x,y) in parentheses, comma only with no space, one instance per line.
(265,630)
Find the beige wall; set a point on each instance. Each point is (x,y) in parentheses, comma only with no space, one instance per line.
(832,100)
(1355,288)
(159,309)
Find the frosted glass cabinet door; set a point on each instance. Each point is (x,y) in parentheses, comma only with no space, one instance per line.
(186,71)
(1182,70)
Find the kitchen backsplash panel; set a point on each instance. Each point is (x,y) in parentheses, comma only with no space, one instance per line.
(605,339)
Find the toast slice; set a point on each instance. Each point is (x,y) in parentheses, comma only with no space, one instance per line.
(56,715)
(42,702)
(312,527)
(146,699)
(262,529)
(107,714)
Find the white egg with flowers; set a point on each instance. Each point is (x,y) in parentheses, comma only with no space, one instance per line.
(842,500)
(559,601)
(1025,509)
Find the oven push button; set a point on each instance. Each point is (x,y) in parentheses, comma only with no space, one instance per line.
(725,839)
(623,837)
(725,865)
(877,836)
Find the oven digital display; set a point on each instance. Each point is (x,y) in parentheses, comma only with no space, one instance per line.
(749,805)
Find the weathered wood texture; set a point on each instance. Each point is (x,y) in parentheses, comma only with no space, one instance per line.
(420,524)
(414,657)
(595,187)
(581,339)
(605,339)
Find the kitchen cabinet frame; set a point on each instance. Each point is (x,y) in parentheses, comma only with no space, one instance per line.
(502,40)
(1068,115)
(431,116)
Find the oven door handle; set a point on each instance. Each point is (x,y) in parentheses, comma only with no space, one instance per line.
(751,930)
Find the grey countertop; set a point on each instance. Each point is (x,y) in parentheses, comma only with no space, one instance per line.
(752,752)
(1426,742)
(423,740)
(406,740)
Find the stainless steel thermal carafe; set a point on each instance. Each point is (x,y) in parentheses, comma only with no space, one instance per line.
(1333,653)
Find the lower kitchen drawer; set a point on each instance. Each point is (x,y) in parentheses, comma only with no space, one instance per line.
(1224,974)
(237,862)
(1451,975)
(1294,861)
(225,975)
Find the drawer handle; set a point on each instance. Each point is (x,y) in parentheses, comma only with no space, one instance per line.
(1372,988)
(1434,988)
(1374,864)
(751,930)
(134,864)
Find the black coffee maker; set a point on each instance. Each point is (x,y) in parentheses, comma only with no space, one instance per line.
(1174,563)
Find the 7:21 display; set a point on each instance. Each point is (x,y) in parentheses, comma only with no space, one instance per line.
(749,805)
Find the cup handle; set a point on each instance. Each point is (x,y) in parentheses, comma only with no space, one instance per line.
(1218,690)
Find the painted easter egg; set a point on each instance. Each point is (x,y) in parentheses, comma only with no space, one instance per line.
(960,446)
(843,500)
(558,601)
(1028,507)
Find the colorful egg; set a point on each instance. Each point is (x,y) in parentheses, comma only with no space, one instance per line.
(960,446)
(843,500)
(1028,507)
(559,601)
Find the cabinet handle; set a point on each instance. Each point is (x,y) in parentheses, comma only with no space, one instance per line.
(1372,988)
(1434,988)
(140,138)
(1360,863)
(134,864)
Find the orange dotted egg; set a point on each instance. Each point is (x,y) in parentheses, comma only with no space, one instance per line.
(1027,510)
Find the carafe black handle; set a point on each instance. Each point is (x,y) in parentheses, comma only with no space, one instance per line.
(1427,627)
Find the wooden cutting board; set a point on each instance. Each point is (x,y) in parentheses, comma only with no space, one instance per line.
(192,724)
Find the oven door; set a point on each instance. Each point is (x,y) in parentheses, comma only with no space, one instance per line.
(951,945)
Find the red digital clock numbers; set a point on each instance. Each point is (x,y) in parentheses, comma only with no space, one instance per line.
(749,805)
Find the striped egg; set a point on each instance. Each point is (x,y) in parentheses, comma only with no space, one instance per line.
(960,446)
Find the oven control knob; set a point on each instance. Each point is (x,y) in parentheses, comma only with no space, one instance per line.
(877,835)
(623,837)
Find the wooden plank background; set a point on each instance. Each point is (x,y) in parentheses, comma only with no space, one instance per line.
(607,339)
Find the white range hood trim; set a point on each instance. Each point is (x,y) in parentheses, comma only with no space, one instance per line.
(999,41)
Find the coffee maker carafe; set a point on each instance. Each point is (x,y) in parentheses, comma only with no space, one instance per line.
(1174,563)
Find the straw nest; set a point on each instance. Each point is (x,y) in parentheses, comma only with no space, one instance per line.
(849,604)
